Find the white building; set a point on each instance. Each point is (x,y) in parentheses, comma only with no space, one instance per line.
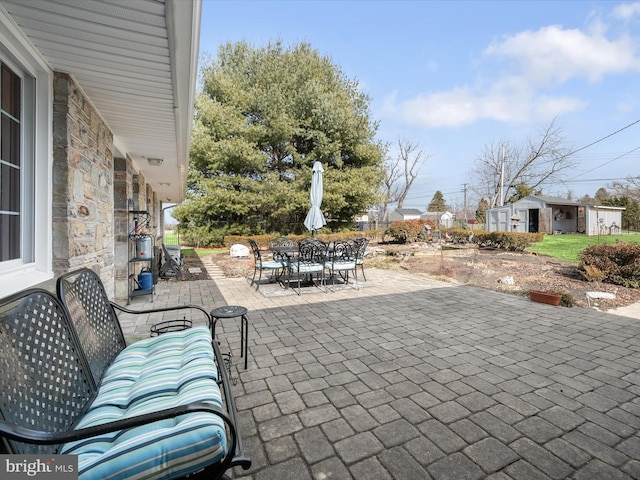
(554,215)
(400,214)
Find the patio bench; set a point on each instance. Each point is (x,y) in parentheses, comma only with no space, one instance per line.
(173,262)
(159,408)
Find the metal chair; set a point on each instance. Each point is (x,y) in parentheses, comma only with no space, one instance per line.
(281,242)
(361,244)
(310,262)
(342,261)
(275,266)
(173,262)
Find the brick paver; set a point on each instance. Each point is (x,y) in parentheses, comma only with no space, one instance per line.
(410,378)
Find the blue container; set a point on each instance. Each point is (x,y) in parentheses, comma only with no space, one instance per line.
(145,279)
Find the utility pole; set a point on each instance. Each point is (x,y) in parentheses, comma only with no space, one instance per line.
(464,187)
(501,203)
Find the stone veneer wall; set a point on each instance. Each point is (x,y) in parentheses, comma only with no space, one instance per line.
(122,194)
(131,192)
(93,192)
(139,192)
(83,234)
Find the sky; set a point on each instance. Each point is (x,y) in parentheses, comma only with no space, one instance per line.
(457,76)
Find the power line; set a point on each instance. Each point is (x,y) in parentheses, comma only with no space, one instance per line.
(604,138)
(571,180)
(606,163)
(590,180)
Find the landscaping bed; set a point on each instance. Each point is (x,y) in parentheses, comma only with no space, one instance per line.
(511,272)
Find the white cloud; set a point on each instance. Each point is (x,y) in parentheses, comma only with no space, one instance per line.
(462,106)
(532,65)
(627,11)
(454,108)
(553,55)
(547,107)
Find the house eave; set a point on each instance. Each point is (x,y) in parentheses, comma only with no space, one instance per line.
(137,64)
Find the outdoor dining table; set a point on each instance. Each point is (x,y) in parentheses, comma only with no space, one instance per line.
(284,250)
(290,252)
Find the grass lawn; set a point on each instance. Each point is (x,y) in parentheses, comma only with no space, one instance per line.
(209,251)
(568,247)
(172,238)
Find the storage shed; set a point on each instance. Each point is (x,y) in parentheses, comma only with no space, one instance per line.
(554,215)
(400,214)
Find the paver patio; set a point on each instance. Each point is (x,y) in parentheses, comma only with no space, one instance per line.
(412,378)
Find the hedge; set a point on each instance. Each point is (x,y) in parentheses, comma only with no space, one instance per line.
(408,231)
(618,264)
(263,240)
(510,241)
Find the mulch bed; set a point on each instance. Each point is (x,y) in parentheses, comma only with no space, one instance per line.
(496,270)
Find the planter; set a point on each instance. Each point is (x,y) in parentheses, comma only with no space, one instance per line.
(543,297)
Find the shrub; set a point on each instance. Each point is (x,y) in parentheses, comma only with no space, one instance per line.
(458,235)
(567,300)
(591,273)
(408,231)
(618,264)
(510,241)
(200,236)
(263,240)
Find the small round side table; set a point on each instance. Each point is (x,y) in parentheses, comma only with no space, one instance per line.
(233,311)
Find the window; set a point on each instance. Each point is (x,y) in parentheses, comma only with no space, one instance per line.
(10,164)
(26,92)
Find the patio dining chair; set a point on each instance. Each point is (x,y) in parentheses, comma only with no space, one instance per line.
(309,263)
(281,242)
(275,266)
(343,261)
(361,244)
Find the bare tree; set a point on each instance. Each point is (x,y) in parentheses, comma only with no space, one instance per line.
(629,188)
(400,173)
(539,163)
(411,159)
(391,176)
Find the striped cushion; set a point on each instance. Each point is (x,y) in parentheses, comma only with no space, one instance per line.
(272,264)
(150,375)
(341,265)
(307,267)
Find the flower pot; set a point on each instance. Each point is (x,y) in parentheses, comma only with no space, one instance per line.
(543,297)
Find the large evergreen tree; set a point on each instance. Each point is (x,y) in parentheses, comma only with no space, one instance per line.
(437,203)
(262,117)
(481,211)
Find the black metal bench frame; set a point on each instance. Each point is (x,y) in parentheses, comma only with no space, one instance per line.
(53,353)
(171,265)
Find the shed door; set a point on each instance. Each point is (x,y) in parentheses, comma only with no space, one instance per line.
(582,221)
(545,220)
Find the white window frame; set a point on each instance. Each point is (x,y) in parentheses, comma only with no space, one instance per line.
(35,266)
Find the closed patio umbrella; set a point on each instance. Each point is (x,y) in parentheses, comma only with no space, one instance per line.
(315,219)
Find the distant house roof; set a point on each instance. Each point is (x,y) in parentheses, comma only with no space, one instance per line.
(408,211)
